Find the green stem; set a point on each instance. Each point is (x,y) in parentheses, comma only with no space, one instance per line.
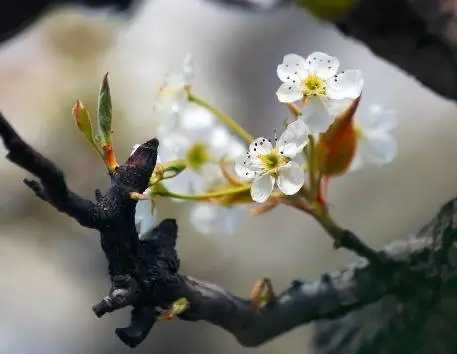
(223,118)
(203,196)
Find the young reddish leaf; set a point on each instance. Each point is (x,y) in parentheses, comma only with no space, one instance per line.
(336,147)
(98,131)
(83,122)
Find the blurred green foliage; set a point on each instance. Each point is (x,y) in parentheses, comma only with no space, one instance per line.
(332,10)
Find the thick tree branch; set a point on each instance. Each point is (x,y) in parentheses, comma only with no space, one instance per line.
(53,188)
(413,264)
(144,273)
(420,36)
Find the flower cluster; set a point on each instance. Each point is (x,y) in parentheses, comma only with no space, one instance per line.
(205,156)
(192,134)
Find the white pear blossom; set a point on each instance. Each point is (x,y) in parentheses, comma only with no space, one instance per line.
(145,211)
(376,143)
(172,97)
(210,219)
(189,131)
(315,79)
(197,136)
(145,217)
(267,165)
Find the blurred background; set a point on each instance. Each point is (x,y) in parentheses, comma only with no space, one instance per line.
(53,270)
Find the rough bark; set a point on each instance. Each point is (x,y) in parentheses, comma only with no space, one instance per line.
(419,36)
(145,275)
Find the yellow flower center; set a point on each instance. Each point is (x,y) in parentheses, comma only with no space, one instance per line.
(273,160)
(197,156)
(313,85)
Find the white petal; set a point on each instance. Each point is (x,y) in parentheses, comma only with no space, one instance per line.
(378,148)
(174,145)
(262,187)
(235,149)
(188,68)
(219,141)
(289,93)
(290,178)
(347,84)
(293,139)
(223,144)
(357,161)
(377,118)
(215,219)
(145,218)
(336,107)
(247,168)
(187,182)
(323,65)
(196,120)
(260,146)
(293,67)
(316,116)
(182,77)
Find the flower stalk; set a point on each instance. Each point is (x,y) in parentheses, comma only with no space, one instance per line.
(163,192)
(223,117)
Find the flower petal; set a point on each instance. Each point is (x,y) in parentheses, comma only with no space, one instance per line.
(216,219)
(293,139)
(196,120)
(187,182)
(293,67)
(377,118)
(290,178)
(323,65)
(347,84)
(174,145)
(357,161)
(379,148)
(220,141)
(145,218)
(316,116)
(289,93)
(247,168)
(183,77)
(262,187)
(235,149)
(260,146)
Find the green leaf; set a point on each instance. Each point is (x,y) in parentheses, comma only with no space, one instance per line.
(102,133)
(331,10)
(83,122)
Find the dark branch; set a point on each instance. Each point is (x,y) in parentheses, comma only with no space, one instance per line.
(263,5)
(144,273)
(52,188)
(418,36)
(414,264)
